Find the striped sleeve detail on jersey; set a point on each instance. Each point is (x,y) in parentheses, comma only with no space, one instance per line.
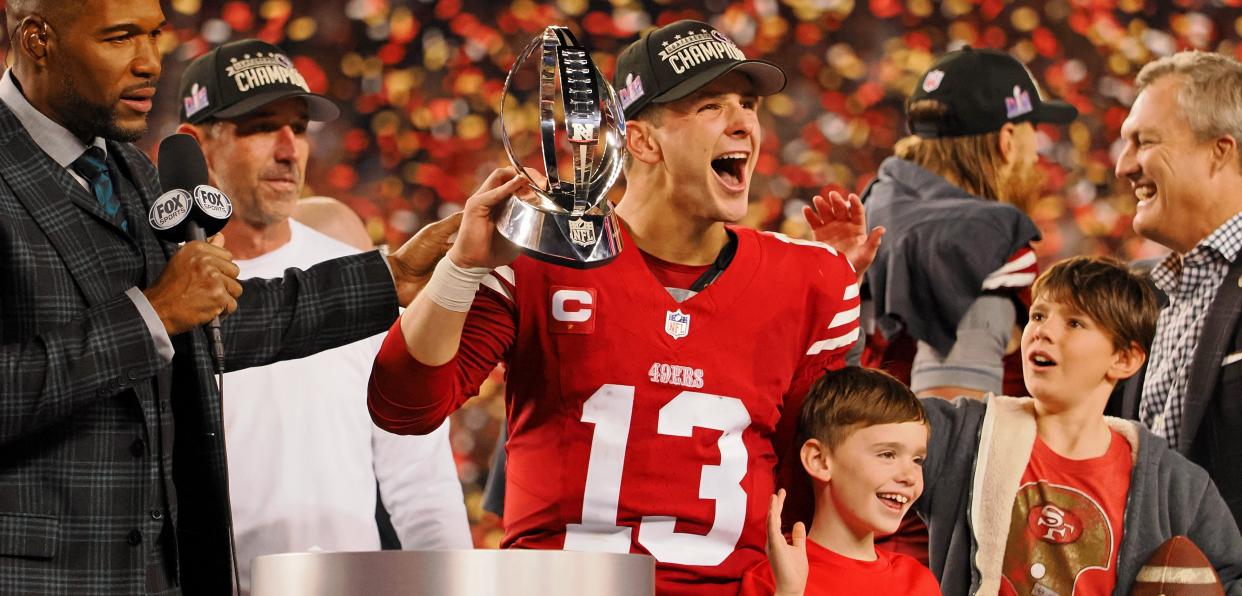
(501,280)
(801,242)
(1018,272)
(843,330)
(851,291)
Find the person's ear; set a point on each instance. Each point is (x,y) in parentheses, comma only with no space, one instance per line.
(186,128)
(32,35)
(1126,362)
(816,460)
(199,132)
(1005,143)
(1224,153)
(642,142)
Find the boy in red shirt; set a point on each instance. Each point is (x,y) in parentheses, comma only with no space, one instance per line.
(864,436)
(1047,495)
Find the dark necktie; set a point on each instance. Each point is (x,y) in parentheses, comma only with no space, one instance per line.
(94,168)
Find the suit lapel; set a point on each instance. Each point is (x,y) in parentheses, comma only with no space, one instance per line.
(1213,344)
(44,189)
(155,252)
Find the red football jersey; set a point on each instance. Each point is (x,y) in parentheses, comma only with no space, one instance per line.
(640,424)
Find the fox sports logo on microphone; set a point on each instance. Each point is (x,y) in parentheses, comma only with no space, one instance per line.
(213,202)
(171,209)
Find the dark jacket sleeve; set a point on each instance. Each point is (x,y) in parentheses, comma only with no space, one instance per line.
(1216,533)
(305,312)
(48,377)
(947,476)
(950,448)
(1170,496)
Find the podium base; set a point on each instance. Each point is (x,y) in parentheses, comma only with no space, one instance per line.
(454,573)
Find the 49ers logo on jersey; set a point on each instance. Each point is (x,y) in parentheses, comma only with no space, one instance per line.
(573,310)
(673,374)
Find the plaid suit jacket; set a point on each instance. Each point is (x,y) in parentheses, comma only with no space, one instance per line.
(1212,425)
(78,384)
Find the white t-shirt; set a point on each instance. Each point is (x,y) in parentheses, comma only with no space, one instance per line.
(304,455)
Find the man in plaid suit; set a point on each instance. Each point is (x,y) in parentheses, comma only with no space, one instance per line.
(102,356)
(1182,157)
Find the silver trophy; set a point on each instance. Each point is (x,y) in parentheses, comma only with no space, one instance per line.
(570,221)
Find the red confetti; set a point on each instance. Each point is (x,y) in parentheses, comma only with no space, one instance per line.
(994,37)
(238,15)
(918,40)
(599,23)
(447,9)
(808,34)
(391,54)
(990,9)
(315,77)
(1045,42)
(357,140)
(885,9)
(342,177)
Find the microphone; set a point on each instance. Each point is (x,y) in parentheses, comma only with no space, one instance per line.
(190,209)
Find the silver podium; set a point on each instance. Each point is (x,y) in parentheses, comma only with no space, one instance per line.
(453,573)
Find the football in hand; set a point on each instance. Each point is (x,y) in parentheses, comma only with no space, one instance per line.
(1177,568)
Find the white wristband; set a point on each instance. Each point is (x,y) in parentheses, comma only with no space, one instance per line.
(453,287)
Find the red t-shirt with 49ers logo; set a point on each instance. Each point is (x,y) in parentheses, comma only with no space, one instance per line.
(637,423)
(1066,527)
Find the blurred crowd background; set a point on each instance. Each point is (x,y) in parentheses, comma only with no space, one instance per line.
(420,85)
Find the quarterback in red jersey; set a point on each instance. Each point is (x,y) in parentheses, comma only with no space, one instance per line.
(650,400)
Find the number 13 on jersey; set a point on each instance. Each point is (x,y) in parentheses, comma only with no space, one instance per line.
(610,409)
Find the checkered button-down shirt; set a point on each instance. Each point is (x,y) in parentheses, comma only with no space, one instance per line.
(1191,282)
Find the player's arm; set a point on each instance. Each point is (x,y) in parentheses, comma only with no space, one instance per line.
(406,396)
(834,334)
(453,333)
(432,324)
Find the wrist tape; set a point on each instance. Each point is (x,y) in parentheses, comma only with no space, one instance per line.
(453,287)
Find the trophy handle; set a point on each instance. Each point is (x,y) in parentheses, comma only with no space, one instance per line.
(609,168)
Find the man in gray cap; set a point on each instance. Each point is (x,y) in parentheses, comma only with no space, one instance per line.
(304,456)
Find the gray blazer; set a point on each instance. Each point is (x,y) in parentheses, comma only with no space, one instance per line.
(86,401)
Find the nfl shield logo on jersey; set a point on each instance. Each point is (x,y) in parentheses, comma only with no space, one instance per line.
(581,232)
(677,324)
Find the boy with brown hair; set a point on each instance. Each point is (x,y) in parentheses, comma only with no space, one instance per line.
(863,436)
(1047,495)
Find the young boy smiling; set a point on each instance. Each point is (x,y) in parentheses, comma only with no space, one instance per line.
(1047,495)
(863,436)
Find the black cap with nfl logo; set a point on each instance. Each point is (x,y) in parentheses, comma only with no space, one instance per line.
(241,76)
(678,59)
(982,90)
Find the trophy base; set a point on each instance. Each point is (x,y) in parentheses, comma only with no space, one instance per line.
(580,242)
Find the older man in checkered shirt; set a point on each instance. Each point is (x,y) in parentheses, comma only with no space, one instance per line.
(1182,158)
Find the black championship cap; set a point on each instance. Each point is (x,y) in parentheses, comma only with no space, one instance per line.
(677,59)
(983,89)
(240,76)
